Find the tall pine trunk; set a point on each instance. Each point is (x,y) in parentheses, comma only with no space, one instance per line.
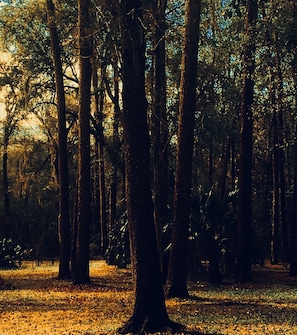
(244,273)
(159,121)
(63,220)
(293,244)
(176,285)
(81,272)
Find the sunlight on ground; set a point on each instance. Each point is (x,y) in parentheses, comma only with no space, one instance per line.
(34,302)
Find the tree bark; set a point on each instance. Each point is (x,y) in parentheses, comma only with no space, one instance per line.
(99,142)
(176,285)
(293,244)
(244,273)
(159,127)
(81,274)
(149,314)
(63,219)
(7,222)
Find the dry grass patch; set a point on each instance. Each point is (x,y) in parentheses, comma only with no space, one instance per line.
(33,301)
(40,304)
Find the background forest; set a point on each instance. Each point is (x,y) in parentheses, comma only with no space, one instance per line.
(30,187)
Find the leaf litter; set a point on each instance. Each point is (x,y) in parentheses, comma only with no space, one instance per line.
(33,301)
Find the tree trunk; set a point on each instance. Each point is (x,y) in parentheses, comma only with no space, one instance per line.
(99,142)
(63,220)
(159,127)
(7,222)
(293,244)
(275,224)
(149,313)
(176,285)
(244,273)
(282,178)
(81,274)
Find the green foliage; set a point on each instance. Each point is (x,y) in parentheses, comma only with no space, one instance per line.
(212,237)
(11,254)
(118,252)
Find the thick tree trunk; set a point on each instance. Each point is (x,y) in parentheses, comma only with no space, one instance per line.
(149,313)
(63,220)
(176,285)
(81,273)
(244,273)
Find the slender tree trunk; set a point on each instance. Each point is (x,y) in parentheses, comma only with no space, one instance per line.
(149,314)
(81,274)
(7,220)
(244,273)
(293,244)
(159,121)
(282,178)
(99,141)
(176,285)
(63,220)
(275,236)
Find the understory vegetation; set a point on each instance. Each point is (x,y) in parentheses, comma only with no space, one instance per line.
(33,301)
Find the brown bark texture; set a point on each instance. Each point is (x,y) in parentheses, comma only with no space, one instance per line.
(63,219)
(244,273)
(81,273)
(176,285)
(149,313)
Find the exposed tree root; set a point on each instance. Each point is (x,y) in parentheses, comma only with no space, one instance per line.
(136,326)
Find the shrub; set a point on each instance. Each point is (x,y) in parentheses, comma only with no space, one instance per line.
(11,254)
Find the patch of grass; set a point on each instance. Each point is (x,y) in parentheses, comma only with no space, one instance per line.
(33,301)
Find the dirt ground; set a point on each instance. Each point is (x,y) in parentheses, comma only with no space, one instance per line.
(33,301)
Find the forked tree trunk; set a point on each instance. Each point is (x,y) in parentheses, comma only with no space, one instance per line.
(176,285)
(63,219)
(149,314)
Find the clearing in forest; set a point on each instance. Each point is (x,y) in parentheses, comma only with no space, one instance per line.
(33,301)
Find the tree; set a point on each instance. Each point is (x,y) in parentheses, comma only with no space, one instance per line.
(14,112)
(63,219)
(293,44)
(176,285)
(159,127)
(244,273)
(81,270)
(149,314)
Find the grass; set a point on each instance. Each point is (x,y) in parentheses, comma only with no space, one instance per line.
(33,302)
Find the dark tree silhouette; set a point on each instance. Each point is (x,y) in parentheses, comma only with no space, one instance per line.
(176,285)
(81,268)
(293,245)
(244,272)
(149,314)
(63,219)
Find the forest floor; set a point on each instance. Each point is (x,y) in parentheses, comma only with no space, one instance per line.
(34,302)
